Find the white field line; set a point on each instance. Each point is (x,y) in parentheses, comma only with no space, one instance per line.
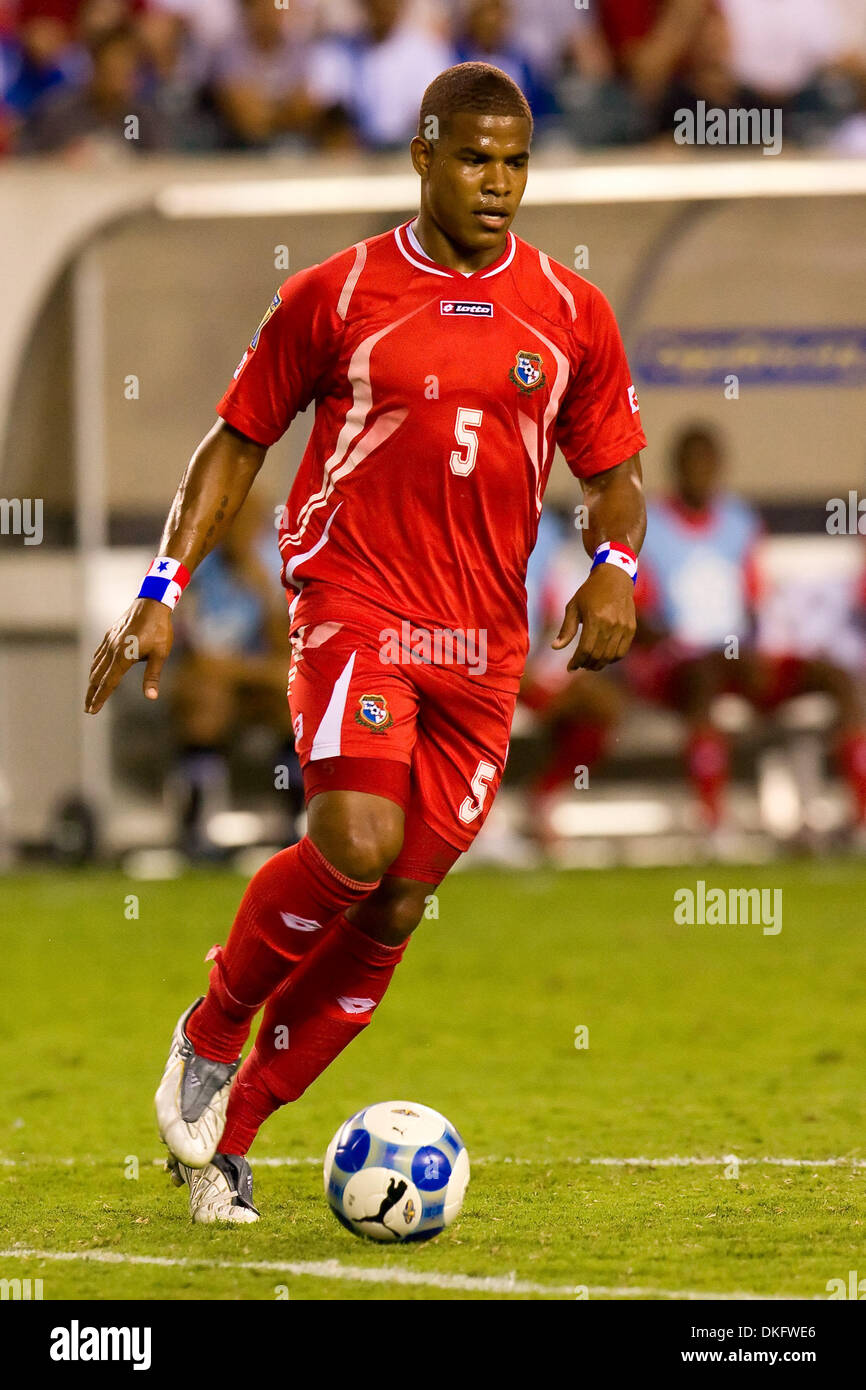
(358,1274)
(492,1160)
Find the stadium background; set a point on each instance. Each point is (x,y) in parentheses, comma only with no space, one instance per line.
(157,263)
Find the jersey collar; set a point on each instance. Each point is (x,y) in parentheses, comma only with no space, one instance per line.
(410,247)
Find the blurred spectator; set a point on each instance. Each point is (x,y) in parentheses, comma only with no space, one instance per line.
(544,45)
(850,67)
(373,81)
(108,113)
(783,53)
(697,593)
(260,76)
(231,675)
(649,40)
(487,36)
(778,46)
(209,22)
(38,59)
(177,74)
(619,83)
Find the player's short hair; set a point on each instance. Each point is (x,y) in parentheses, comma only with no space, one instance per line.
(695,435)
(477,87)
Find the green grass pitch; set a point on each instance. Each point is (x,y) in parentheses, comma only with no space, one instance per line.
(703,1042)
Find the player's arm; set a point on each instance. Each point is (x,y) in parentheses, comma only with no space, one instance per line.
(603,607)
(211,493)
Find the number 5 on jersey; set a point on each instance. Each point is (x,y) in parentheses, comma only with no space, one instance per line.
(470,809)
(467,422)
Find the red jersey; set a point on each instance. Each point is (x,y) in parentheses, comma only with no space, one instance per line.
(439,399)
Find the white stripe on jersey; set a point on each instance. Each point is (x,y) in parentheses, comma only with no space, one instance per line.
(553,403)
(291,565)
(353,425)
(555,280)
(352,279)
(328,743)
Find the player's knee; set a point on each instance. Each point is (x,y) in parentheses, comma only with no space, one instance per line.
(363,850)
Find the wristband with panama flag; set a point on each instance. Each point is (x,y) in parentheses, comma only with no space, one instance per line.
(612,553)
(165,581)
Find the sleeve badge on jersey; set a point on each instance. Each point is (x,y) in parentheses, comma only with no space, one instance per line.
(632,400)
(528,372)
(373,713)
(271,309)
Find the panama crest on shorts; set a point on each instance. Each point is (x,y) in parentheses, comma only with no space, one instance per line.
(373,714)
(528,371)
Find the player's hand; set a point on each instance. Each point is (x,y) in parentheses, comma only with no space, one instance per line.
(603,610)
(144,633)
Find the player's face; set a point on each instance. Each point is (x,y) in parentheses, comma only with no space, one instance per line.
(697,474)
(474,176)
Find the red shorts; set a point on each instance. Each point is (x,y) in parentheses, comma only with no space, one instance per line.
(428,737)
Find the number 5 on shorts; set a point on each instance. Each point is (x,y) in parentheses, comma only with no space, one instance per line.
(469,809)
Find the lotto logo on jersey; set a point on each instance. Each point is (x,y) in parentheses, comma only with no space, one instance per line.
(528,371)
(466,308)
(373,713)
(632,400)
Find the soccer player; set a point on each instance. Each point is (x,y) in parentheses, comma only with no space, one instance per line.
(446,358)
(697,597)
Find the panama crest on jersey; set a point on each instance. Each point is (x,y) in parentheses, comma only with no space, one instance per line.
(528,371)
(373,714)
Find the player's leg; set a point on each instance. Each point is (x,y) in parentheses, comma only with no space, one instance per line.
(578,713)
(294,897)
(353,836)
(797,676)
(300,1035)
(324,1005)
(457,768)
(694,685)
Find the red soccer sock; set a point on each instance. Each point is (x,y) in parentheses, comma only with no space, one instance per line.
(326,1003)
(851,754)
(708,762)
(290,901)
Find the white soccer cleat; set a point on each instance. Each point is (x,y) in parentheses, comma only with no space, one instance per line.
(222,1191)
(192,1099)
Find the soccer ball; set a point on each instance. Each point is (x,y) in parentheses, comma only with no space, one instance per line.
(396,1171)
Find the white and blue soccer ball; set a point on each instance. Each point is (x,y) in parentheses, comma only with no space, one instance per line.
(396,1171)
